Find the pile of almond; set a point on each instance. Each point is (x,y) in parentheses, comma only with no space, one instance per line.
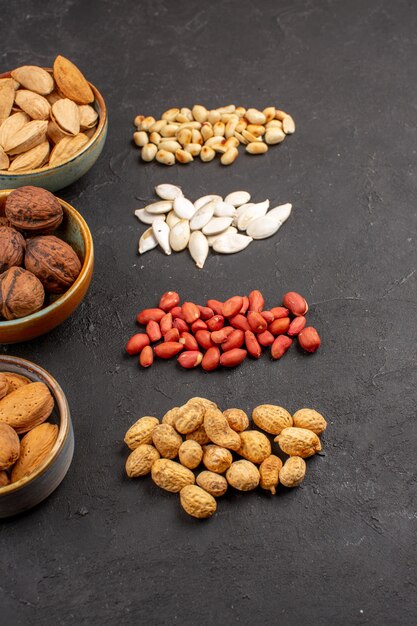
(200,433)
(45,119)
(183,134)
(24,408)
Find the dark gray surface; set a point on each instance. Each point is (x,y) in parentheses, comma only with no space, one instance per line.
(342,548)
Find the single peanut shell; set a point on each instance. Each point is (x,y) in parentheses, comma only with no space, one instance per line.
(272,419)
(171,476)
(310,419)
(217,459)
(219,431)
(190,454)
(214,484)
(140,461)
(170,416)
(141,432)
(269,471)
(189,418)
(293,471)
(9,446)
(298,442)
(166,440)
(243,475)
(237,419)
(255,446)
(34,449)
(197,502)
(199,435)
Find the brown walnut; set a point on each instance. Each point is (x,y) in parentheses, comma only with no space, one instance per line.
(53,261)
(12,248)
(33,209)
(21,293)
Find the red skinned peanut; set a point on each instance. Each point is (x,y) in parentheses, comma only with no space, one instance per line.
(256,322)
(215,323)
(231,358)
(266,338)
(279,326)
(181,325)
(153,331)
(279,311)
(172,335)
(295,303)
(168,349)
(309,339)
(234,340)
(137,343)
(280,346)
(245,305)
(232,306)
(205,312)
(190,359)
(268,316)
(166,323)
(216,305)
(146,357)
(252,344)
(190,311)
(147,315)
(204,339)
(219,336)
(256,301)
(297,325)
(239,321)
(211,359)
(189,341)
(169,300)
(198,325)
(177,312)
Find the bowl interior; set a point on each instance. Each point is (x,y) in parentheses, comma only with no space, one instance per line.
(76,233)
(59,415)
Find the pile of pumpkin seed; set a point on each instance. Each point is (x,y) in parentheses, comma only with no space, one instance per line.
(176,223)
(183,134)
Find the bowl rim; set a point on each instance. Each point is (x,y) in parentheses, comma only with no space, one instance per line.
(99,130)
(87,267)
(63,412)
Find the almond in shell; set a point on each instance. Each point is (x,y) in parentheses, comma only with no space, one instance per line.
(4,386)
(34,78)
(66,114)
(32,159)
(67,148)
(15,381)
(10,126)
(30,135)
(4,160)
(34,449)
(55,133)
(71,82)
(88,116)
(9,446)
(36,106)
(7,94)
(4,479)
(27,407)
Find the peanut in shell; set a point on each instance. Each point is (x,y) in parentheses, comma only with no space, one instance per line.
(310,419)
(140,460)
(140,432)
(255,446)
(271,418)
(166,440)
(219,431)
(190,454)
(243,475)
(189,418)
(197,502)
(298,442)
(217,459)
(269,471)
(237,419)
(171,476)
(213,483)
(293,472)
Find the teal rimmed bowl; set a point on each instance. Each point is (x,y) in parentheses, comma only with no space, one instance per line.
(30,490)
(74,231)
(60,176)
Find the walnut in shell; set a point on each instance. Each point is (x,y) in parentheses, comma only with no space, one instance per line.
(53,261)
(33,209)
(12,248)
(21,293)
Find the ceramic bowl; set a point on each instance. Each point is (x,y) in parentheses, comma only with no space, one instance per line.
(29,491)
(60,176)
(74,231)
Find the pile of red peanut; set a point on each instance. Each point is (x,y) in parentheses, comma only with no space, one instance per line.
(221,333)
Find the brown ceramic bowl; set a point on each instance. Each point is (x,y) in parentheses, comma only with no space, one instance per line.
(60,176)
(74,231)
(29,491)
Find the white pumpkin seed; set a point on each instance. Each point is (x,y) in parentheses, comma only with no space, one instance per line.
(147,218)
(199,248)
(172,219)
(147,241)
(229,243)
(224,209)
(252,213)
(162,206)
(161,233)
(263,227)
(204,200)
(281,212)
(241,210)
(179,235)
(237,198)
(168,192)
(184,208)
(202,216)
(212,238)
(217,225)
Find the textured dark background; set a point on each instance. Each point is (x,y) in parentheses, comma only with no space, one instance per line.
(341,549)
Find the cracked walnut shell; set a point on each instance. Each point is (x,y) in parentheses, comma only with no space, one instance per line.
(53,261)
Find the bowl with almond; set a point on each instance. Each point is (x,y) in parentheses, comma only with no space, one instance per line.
(53,125)
(36,435)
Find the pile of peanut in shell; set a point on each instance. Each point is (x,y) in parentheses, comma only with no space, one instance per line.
(232,453)
(25,407)
(183,134)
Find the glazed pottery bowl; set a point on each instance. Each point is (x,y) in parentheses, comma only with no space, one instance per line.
(29,491)
(60,176)
(75,232)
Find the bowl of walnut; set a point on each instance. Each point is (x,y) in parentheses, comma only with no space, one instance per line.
(53,125)
(36,435)
(46,262)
